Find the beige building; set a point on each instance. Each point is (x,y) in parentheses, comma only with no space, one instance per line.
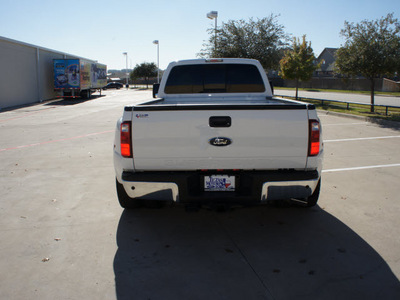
(26,73)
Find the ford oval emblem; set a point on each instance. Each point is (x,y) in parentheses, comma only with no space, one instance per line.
(220,141)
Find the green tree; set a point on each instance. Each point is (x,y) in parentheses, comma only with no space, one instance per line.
(371,49)
(298,62)
(144,70)
(262,39)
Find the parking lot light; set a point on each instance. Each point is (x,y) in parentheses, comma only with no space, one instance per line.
(156,42)
(214,15)
(127,73)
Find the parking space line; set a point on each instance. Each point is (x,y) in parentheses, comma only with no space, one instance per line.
(363,139)
(55,141)
(360,168)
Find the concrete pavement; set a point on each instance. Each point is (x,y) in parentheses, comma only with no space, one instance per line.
(64,235)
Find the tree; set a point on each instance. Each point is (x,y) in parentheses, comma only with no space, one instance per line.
(262,39)
(144,70)
(371,49)
(298,62)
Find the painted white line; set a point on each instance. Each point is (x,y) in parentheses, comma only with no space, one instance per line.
(344,124)
(360,168)
(363,139)
(55,141)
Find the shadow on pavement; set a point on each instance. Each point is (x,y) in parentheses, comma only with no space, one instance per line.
(247,253)
(75,101)
(385,123)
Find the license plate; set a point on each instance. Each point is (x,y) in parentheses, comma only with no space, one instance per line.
(219,183)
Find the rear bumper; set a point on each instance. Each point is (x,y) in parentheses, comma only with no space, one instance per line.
(251,186)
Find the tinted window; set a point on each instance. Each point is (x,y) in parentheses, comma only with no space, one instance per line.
(214,78)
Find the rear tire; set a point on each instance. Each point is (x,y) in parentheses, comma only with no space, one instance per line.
(124,200)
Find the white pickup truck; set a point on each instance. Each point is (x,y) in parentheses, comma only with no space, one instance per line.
(216,134)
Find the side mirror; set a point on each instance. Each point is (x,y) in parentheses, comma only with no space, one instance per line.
(272,86)
(156,86)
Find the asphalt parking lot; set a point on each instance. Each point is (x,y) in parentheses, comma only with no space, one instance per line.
(64,236)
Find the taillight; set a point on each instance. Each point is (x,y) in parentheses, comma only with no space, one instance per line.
(314,138)
(126,144)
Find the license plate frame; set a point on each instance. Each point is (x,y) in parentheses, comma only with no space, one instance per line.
(220,183)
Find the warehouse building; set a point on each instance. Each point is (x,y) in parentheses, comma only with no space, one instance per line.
(27,73)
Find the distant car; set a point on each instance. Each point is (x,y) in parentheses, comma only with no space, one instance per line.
(113,85)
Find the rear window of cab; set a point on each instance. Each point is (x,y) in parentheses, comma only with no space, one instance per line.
(214,78)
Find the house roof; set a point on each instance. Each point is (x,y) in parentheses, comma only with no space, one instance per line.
(327,57)
(330,51)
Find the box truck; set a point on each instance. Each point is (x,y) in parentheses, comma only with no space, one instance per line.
(78,77)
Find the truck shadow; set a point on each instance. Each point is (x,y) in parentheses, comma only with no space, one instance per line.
(247,253)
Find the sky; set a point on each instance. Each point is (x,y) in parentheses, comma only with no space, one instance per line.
(102,30)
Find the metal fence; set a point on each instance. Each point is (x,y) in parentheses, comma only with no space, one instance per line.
(347,103)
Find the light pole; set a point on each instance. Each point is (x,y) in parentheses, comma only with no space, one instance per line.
(214,15)
(156,42)
(127,73)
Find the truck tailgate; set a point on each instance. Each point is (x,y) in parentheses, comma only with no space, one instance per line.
(256,139)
